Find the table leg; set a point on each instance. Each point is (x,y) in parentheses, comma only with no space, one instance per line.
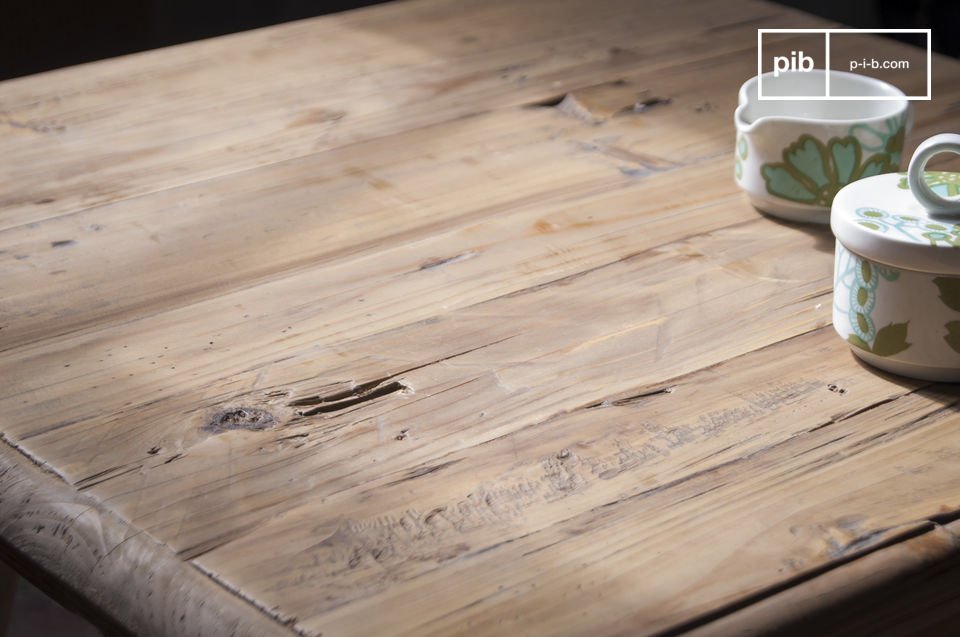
(8,587)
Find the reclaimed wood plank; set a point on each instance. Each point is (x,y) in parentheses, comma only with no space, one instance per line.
(369,196)
(653,332)
(597,505)
(152,121)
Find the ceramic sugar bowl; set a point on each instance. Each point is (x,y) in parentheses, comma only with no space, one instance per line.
(896,281)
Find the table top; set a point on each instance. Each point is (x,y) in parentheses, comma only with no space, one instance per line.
(441,317)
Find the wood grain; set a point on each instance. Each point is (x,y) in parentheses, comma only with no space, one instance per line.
(83,554)
(443,318)
(231,104)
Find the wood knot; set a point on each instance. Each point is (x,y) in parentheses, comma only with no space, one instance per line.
(248,418)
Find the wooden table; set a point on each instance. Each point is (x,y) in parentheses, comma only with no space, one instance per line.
(446,317)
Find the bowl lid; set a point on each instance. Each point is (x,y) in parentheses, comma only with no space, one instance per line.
(907,220)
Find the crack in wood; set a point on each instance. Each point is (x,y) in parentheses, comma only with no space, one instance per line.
(347,398)
(856,412)
(292,437)
(945,517)
(103,476)
(632,399)
(423,471)
(862,542)
(370,390)
(440,262)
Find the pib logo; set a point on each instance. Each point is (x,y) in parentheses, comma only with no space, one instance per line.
(797,61)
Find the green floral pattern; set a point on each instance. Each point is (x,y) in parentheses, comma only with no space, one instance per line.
(949,288)
(949,291)
(739,157)
(953,335)
(856,295)
(812,171)
(910,228)
(886,137)
(943,183)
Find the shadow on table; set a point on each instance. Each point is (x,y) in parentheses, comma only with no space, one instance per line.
(921,600)
(947,394)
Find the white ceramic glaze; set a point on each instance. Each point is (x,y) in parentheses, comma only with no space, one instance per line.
(896,290)
(881,219)
(931,200)
(903,321)
(792,156)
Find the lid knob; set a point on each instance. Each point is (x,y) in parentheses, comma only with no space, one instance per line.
(942,143)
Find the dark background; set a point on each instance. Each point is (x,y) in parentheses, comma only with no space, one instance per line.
(38,35)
